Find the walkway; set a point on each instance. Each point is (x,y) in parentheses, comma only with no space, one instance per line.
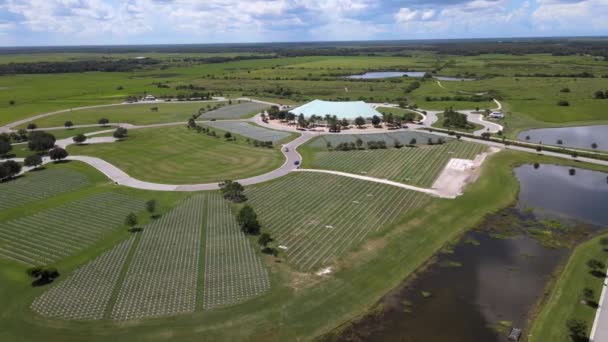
(599,330)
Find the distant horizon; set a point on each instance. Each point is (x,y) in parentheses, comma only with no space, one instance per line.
(121,22)
(413,40)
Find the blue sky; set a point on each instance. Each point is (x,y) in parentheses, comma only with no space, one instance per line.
(96,22)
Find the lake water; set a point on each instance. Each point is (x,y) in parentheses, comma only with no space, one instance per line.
(578,137)
(484,285)
(387,74)
(416,74)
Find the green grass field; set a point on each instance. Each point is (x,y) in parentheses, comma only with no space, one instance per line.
(176,155)
(564,301)
(441,119)
(322,225)
(137,114)
(419,165)
(251,131)
(298,305)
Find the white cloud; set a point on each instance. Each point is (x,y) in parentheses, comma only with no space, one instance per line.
(571,16)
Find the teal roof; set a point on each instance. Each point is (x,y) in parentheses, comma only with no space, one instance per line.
(343,110)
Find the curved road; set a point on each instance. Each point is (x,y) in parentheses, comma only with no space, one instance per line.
(291,155)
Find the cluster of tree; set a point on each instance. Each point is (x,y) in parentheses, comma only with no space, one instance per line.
(233,191)
(42,275)
(189,87)
(40,141)
(58,154)
(600,95)
(220,59)
(439,141)
(453,119)
(472,98)
(516,46)
(267,144)
(120,133)
(105,65)
(563,103)
(19,136)
(264,240)
(248,220)
(33,160)
(9,169)
(375,145)
(578,75)
(5,145)
(281,92)
(80,138)
(411,87)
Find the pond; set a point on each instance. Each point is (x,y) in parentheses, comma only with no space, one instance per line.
(578,137)
(387,74)
(492,279)
(416,74)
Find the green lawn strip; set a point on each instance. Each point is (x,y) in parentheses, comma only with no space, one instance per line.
(441,119)
(176,155)
(137,114)
(564,299)
(121,277)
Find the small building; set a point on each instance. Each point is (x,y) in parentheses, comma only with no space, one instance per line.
(149,98)
(496,115)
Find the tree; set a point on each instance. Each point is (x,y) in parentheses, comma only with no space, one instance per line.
(595,265)
(131,220)
(359,143)
(5,147)
(31,126)
(588,295)
(68,124)
(486,135)
(577,329)
(563,103)
(248,220)
(120,133)
(80,138)
(344,123)
(103,121)
(376,120)
(412,142)
(539,148)
(233,191)
(58,154)
(594,146)
(151,206)
(359,121)
(264,239)
(191,123)
(227,135)
(41,141)
(11,102)
(9,169)
(33,160)
(559,141)
(565,90)
(599,95)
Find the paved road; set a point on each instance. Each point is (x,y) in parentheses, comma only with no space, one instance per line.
(599,330)
(122,178)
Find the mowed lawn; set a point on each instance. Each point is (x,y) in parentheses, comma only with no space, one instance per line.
(419,165)
(137,114)
(317,218)
(564,302)
(176,155)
